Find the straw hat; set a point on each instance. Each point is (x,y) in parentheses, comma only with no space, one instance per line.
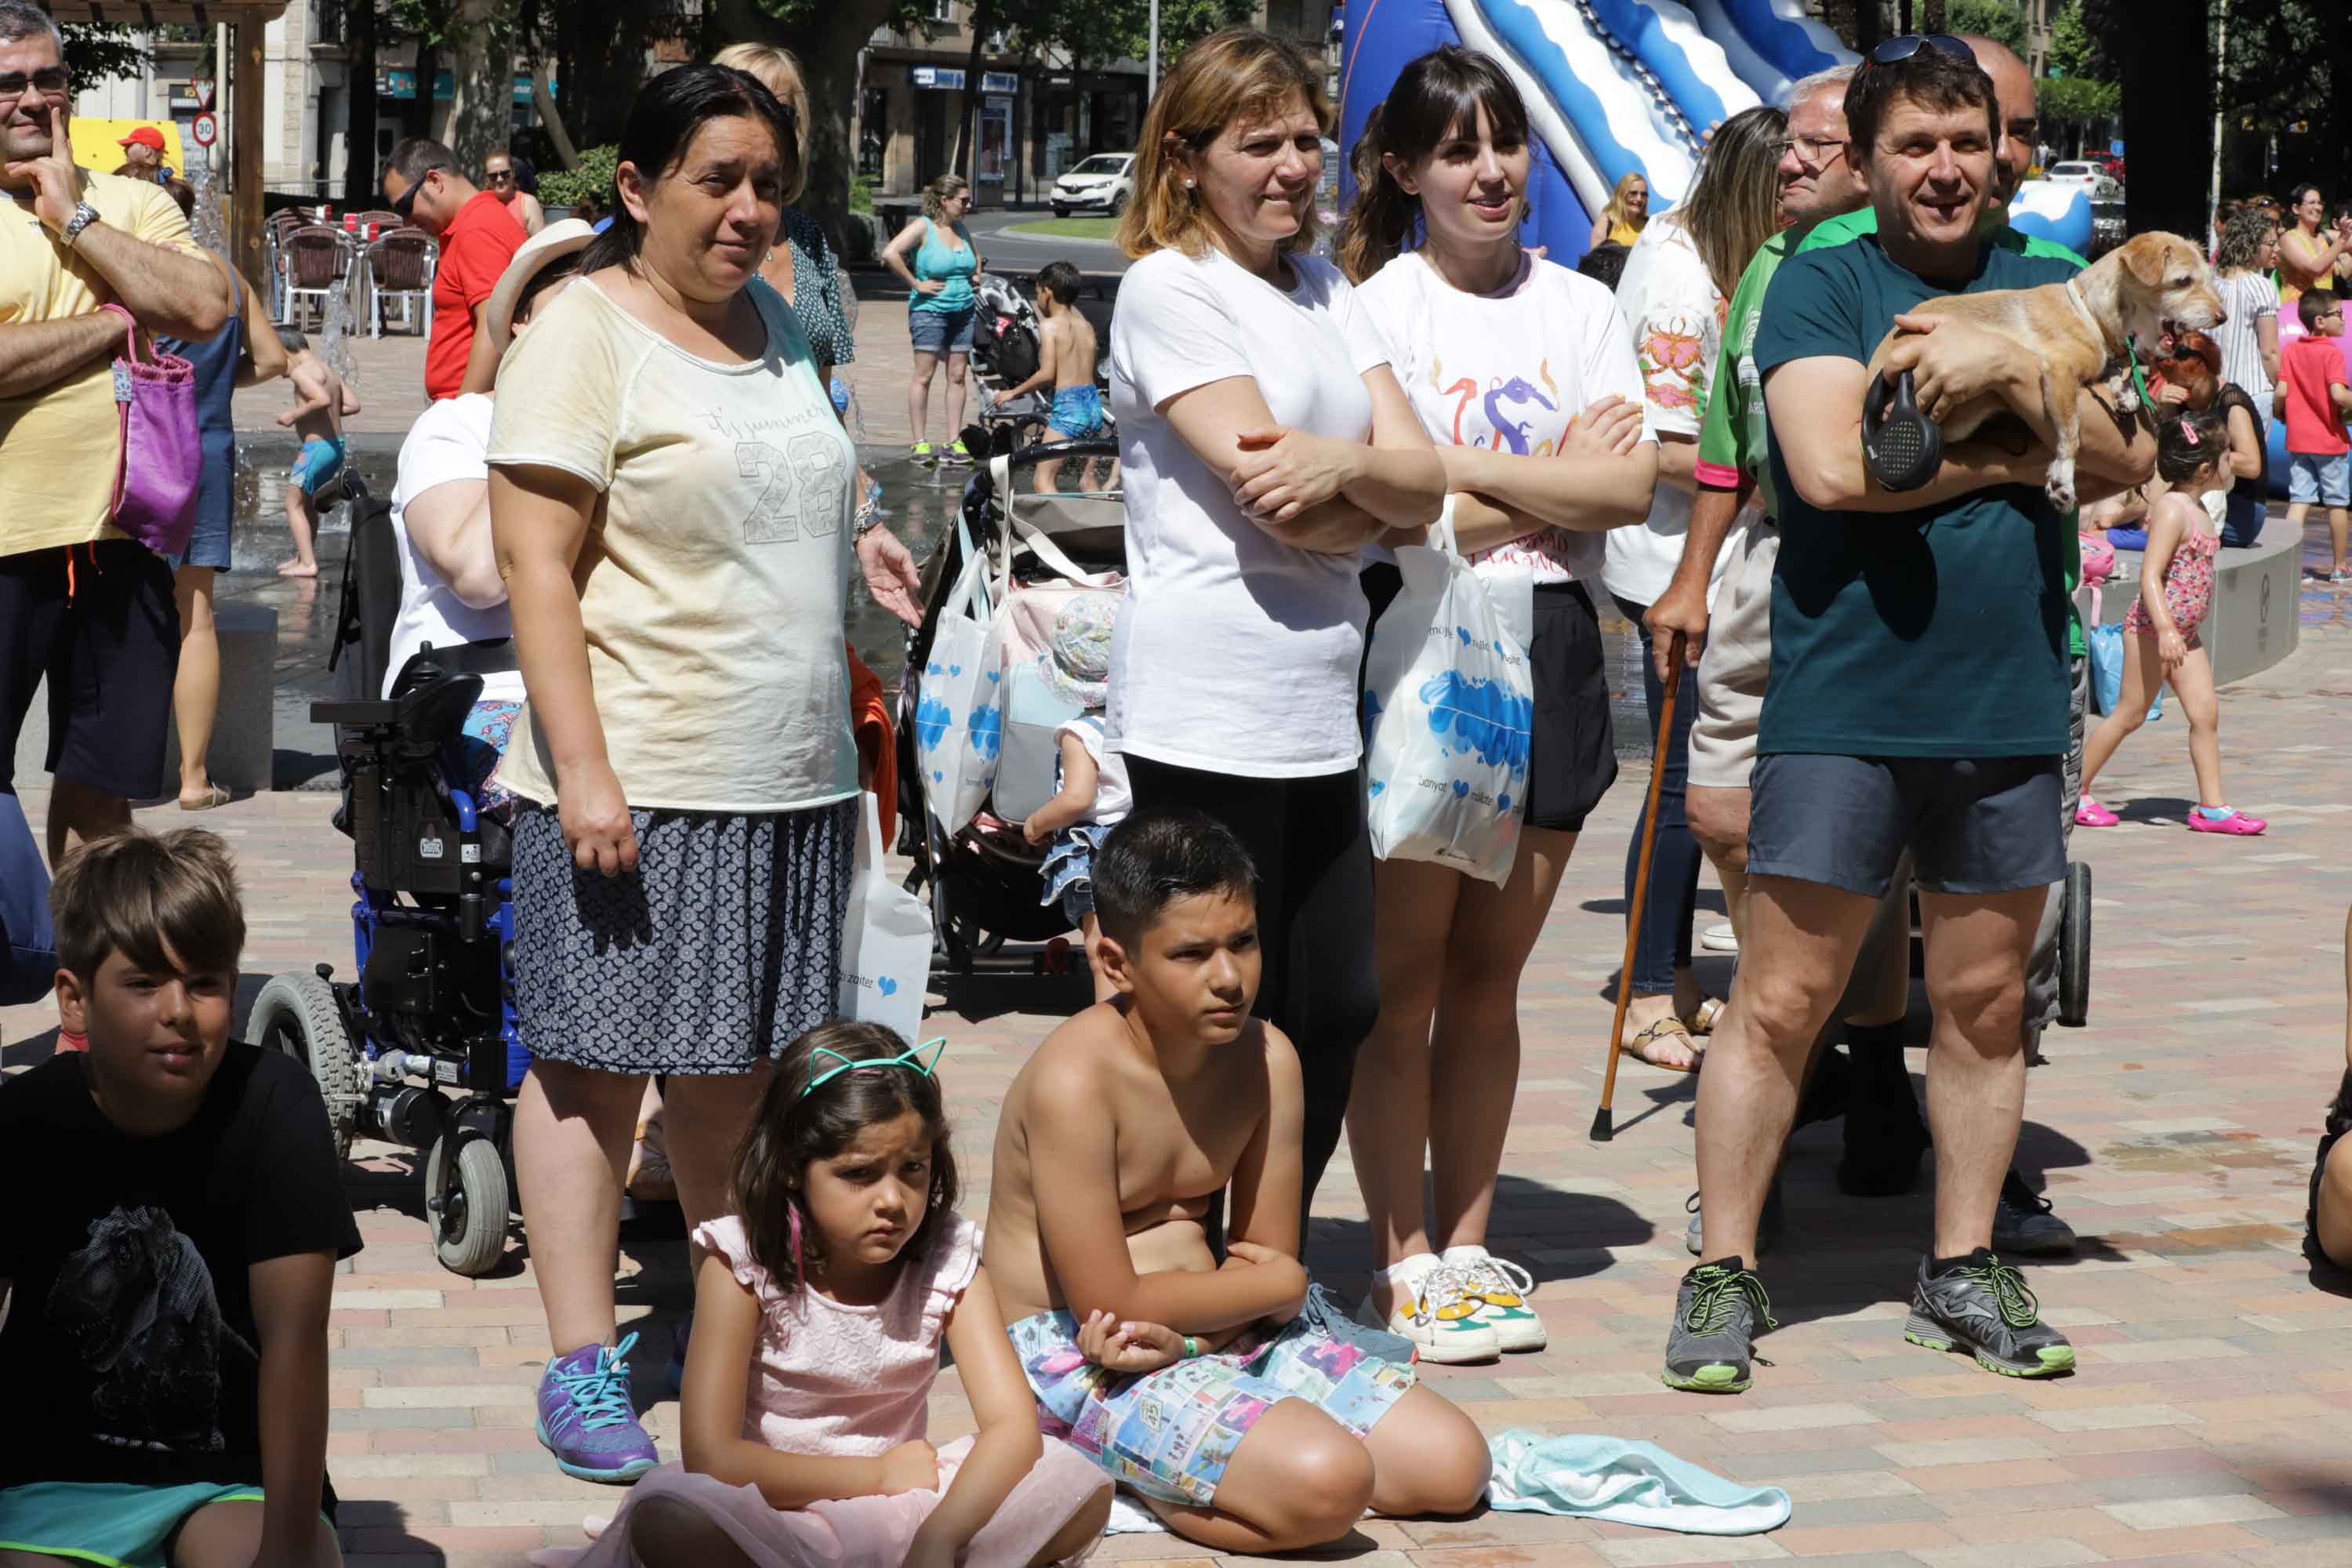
(551,244)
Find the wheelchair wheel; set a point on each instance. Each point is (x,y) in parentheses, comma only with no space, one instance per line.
(469,1228)
(297,1014)
(2074,948)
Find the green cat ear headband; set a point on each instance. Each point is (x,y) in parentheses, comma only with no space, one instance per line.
(911,1059)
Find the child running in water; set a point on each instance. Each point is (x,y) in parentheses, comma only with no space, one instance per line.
(1241,1425)
(322,403)
(2161,646)
(820,1310)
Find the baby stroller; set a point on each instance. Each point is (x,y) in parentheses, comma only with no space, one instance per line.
(984,879)
(432,926)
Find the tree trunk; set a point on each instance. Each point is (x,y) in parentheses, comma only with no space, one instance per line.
(359,129)
(416,113)
(828,47)
(2168,116)
(558,133)
(481,113)
(1932,16)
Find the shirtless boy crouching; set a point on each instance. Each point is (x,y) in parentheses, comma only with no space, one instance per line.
(1189,1383)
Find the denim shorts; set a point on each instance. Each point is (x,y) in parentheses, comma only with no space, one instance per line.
(940,332)
(2326,481)
(1974,826)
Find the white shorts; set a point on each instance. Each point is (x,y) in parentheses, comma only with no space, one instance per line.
(1737,660)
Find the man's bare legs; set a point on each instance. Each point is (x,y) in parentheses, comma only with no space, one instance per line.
(1718,820)
(1977,948)
(1795,956)
(84,813)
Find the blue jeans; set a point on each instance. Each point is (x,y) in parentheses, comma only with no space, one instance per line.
(1664,943)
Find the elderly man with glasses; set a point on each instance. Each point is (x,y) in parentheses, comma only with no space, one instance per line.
(84,254)
(478,236)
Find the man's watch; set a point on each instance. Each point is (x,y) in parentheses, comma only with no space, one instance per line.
(83,216)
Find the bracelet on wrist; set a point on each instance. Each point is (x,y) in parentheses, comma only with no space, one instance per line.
(1192,1348)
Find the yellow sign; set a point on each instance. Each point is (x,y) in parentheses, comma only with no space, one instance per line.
(95,142)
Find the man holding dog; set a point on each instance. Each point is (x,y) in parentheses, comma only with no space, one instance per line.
(1917,702)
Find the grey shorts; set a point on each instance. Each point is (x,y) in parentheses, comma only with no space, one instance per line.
(1736,661)
(1973,825)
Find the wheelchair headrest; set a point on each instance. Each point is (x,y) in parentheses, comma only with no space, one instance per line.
(435,709)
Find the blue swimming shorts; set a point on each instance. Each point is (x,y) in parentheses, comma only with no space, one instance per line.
(317,465)
(1169,1434)
(1077,411)
(109,1524)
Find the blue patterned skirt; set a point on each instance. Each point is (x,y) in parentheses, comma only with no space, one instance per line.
(720,948)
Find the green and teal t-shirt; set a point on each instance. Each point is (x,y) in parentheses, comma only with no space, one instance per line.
(1939,632)
(1731,441)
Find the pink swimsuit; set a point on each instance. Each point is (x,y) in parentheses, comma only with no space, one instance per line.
(2187,587)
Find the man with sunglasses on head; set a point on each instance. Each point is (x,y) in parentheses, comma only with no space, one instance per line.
(478,236)
(83,254)
(1916,704)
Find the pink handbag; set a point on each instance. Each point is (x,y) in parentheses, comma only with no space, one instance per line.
(161,452)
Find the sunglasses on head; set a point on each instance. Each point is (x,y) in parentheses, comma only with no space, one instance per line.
(404,203)
(1904,48)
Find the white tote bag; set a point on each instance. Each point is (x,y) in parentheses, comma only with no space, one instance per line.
(960,702)
(1449,702)
(886,945)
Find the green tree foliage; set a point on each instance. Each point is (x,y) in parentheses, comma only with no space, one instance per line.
(96,51)
(1999,19)
(2078,98)
(593,177)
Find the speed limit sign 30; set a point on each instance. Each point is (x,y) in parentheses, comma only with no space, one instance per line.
(205,130)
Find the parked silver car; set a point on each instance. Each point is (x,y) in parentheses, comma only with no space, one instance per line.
(1100,183)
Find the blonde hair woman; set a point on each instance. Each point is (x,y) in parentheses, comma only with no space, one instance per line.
(1627,214)
(938,260)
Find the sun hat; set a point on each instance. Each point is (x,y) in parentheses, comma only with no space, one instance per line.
(550,244)
(1076,665)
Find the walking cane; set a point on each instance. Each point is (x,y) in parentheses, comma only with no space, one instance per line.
(1603,1130)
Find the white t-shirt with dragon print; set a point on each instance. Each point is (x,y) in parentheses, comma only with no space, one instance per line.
(1677,316)
(716,567)
(1510,369)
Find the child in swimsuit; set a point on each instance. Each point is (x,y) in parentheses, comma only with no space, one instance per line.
(2161,645)
(1066,360)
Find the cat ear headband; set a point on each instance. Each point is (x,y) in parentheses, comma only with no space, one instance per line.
(911,1059)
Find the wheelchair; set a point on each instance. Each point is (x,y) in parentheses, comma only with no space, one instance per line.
(431,1012)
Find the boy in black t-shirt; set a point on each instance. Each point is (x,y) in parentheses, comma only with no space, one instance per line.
(169,1266)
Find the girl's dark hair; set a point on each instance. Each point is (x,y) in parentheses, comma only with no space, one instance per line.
(795,1125)
(2294,198)
(663,123)
(1436,97)
(2188,439)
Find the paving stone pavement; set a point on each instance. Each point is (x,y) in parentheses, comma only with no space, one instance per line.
(2209,1421)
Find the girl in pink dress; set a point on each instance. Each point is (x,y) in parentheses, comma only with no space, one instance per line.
(2160,642)
(820,1309)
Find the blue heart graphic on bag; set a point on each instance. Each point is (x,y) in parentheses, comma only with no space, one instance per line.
(932,720)
(1503,803)
(1485,717)
(955,670)
(1463,633)
(1378,785)
(1461,790)
(888,986)
(988,732)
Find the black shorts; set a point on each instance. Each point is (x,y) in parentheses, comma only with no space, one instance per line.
(106,633)
(1973,825)
(1571,745)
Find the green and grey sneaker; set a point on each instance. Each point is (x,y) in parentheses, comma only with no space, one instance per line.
(2022,1223)
(1712,1344)
(1501,1289)
(1981,1305)
(1440,1317)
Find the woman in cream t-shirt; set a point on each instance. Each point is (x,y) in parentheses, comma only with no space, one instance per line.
(670,500)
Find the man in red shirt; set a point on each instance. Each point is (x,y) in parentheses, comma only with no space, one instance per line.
(479,235)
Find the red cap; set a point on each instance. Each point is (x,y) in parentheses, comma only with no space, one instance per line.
(146,136)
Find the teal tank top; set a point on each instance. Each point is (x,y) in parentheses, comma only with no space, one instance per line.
(952,266)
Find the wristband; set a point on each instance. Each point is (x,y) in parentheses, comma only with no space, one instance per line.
(1192,1348)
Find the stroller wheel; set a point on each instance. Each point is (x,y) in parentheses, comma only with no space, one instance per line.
(297,1014)
(2074,948)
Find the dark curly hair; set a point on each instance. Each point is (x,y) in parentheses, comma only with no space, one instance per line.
(795,1125)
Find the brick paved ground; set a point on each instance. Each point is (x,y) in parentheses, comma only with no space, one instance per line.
(2208,1422)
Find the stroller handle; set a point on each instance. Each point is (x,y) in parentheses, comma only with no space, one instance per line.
(1038,452)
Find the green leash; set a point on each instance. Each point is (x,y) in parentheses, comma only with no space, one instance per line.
(2139,377)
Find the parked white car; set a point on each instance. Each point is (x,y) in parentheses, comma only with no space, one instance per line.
(1100,183)
(2089,175)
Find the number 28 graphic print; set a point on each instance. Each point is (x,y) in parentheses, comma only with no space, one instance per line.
(807,478)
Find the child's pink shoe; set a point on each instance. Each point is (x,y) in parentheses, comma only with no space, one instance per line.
(2089,813)
(2236,822)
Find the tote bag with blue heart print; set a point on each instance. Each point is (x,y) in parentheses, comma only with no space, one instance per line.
(1449,703)
(960,702)
(886,945)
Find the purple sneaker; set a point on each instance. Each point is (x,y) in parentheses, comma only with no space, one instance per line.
(585,1418)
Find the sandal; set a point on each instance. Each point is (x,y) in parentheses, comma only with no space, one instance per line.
(214,794)
(1638,1046)
(1709,1013)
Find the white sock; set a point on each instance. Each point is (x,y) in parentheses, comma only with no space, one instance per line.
(1473,1253)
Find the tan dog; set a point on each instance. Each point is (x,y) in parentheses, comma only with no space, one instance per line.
(2153,284)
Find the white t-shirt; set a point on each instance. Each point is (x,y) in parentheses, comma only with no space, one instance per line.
(450,442)
(1113,798)
(1234,652)
(714,573)
(1512,369)
(1677,313)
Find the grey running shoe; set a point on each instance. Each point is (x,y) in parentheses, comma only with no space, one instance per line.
(1767,1224)
(2022,1223)
(1711,1346)
(1981,1306)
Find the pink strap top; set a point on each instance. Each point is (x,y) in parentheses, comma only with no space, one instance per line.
(850,1381)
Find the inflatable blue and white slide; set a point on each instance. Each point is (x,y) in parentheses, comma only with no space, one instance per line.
(1615,87)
